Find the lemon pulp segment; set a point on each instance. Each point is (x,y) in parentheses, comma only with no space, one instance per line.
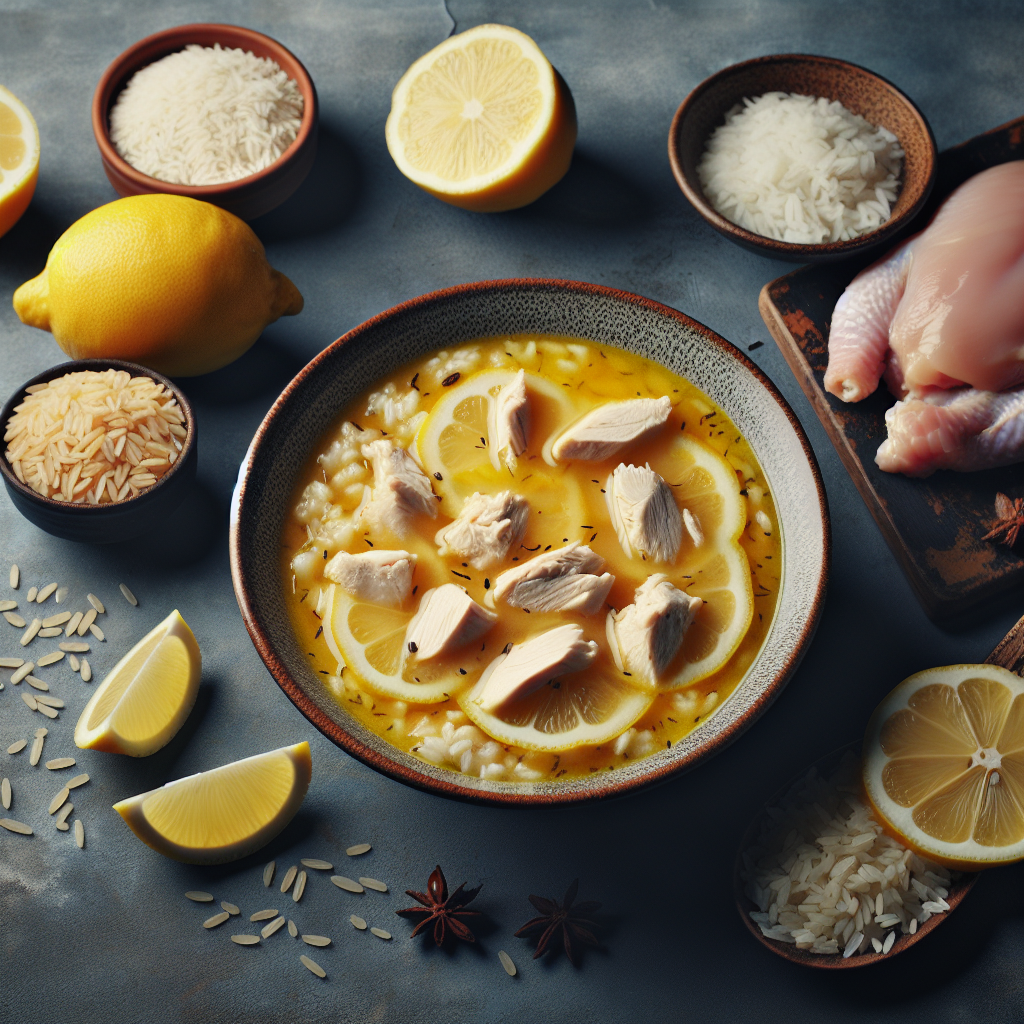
(225,813)
(19,159)
(944,764)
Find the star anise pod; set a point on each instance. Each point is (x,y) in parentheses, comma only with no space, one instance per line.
(570,920)
(1010,516)
(446,912)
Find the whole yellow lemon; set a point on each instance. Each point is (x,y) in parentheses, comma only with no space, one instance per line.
(178,285)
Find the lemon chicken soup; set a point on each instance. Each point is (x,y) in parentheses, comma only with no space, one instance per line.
(530,558)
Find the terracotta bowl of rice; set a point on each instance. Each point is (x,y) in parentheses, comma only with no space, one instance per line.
(122,499)
(806,182)
(249,196)
(262,506)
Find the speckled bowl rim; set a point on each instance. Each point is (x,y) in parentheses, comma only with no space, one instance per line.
(76,366)
(114,78)
(396,764)
(793,251)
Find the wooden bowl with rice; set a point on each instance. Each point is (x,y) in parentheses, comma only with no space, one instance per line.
(863,94)
(249,196)
(122,499)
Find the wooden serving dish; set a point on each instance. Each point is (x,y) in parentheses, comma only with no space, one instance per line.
(933,526)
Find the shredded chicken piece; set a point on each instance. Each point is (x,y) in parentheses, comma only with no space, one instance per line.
(603,432)
(644,513)
(512,420)
(448,618)
(565,579)
(401,489)
(382,577)
(486,529)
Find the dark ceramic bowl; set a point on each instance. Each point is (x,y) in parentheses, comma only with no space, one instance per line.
(859,90)
(825,766)
(116,521)
(306,408)
(247,198)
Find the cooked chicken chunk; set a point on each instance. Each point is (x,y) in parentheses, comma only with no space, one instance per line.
(400,489)
(529,665)
(603,432)
(486,529)
(562,580)
(644,513)
(383,577)
(647,634)
(512,420)
(448,618)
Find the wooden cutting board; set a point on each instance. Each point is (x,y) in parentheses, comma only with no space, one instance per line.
(934,526)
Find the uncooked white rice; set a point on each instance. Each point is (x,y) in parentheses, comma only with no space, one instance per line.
(86,671)
(380,933)
(58,801)
(289,877)
(79,834)
(78,780)
(358,849)
(206,115)
(825,877)
(348,884)
(15,620)
(313,966)
(23,670)
(17,746)
(50,659)
(246,940)
(60,762)
(293,930)
(5,794)
(43,709)
(30,634)
(263,915)
(276,925)
(15,826)
(62,592)
(128,595)
(31,595)
(57,620)
(358,922)
(317,865)
(74,623)
(94,436)
(33,706)
(46,592)
(801,169)
(37,684)
(50,631)
(48,700)
(95,602)
(230,908)
(97,632)
(373,883)
(217,919)
(37,745)
(15,577)
(268,873)
(316,940)
(300,887)
(506,962)
(198,896)
(87,620)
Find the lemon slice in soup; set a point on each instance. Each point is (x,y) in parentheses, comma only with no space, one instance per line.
(716,570)
(370,640)
(584,708)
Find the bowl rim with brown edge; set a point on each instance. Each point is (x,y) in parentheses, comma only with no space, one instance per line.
(247,197)
(685,148)
(830,961)
(89,519)
(256,487)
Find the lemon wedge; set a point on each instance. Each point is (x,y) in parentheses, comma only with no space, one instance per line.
(225,813)
(483,121)
(19,159)
(583,708)
(370,640)
(943,765)
(145,700)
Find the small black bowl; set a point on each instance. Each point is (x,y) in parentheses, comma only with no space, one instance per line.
(114,521)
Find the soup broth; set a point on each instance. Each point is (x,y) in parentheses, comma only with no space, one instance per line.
(599,717)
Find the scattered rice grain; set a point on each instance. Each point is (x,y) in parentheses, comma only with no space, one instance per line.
(61,821)
(246,940)
(198,896)
(86,670)
(50,588)
(62,592)
(17,746)
(87,620)
(44,710)
(74,663)
(230,908)
(46,699)
(11,662)
(289,877)
(30,701)
(313,966)
(316,940)
(15,577)
(348,884)
(50,659)
(8,606)
(300,887)
(374,883)
(380,933)
(15,826)
(49,632)
(41,731)
(292,930)
(97,632)
(74,647)
(37,684)
(5,794)
(128,596)
(359,848)
(37,749)
(317,865)
(15,620)
(74,623)
(57,620)
(506,962)
(30,634)
(263,915)
(268,874)
(31,596)
(60,762)
(210,922)
(95,602)
(78,780)
(358,922)
(275,925)
(79,834)
(58,801)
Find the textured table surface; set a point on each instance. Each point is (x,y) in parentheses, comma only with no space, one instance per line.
(105,933)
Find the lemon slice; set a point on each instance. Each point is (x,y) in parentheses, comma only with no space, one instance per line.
(370,640)
(584,708)
(145,700)
(483,121)
(717,570)
(944,765)
(225,813)
(19,159)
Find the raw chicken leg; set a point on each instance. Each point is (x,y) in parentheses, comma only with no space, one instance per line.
(944,310)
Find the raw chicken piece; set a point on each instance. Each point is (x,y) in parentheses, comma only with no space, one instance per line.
(603,432)
(529,665)
(400,489)
(647,634)
(486,529)
(644,513)
(448,618)
(962,429)
(383,577)
(561,580)
(942,311)
(512,420)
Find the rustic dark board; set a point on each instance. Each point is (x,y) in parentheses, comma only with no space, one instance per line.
(934,526)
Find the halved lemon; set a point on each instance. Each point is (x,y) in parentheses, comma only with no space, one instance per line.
(717,570)
(584,708)
(19,159)
(370,640)
(225,813)
(147,696)
(483,121)
(944,765)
